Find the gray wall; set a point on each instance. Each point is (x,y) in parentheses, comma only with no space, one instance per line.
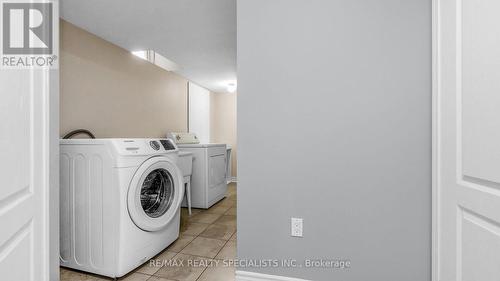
(334,126)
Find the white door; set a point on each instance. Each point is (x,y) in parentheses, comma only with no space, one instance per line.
(26,245)
(468,139)
(29,141)
(199,112)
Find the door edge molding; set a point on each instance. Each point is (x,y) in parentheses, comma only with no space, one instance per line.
(436,68)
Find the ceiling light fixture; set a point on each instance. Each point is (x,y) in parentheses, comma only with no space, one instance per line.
(231,86)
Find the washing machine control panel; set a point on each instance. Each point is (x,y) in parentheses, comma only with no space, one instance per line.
(155,145)
(168,144)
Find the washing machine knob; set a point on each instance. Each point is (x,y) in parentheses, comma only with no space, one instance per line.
(155,145)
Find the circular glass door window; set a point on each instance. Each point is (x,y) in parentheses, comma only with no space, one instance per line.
(157,193)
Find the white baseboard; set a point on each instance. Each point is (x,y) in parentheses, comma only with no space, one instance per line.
(252,276)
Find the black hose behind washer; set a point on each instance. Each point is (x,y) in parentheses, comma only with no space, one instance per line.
(77,132)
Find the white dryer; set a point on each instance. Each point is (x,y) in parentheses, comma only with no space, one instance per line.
(120,202)
(209,175)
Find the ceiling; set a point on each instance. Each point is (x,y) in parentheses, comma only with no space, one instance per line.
(198,35)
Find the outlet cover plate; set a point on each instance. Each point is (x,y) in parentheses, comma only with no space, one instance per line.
(297,227)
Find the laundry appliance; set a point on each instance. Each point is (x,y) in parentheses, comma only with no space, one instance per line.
(120,202)
(209,169)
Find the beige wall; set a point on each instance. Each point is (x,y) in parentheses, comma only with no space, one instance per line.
(110,92)
(107,90)
(223,123)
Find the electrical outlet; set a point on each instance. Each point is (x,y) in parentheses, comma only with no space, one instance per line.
(297,227)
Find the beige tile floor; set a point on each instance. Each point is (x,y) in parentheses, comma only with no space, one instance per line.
(207,238)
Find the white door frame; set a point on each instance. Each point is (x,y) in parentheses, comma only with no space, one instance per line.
(53,180)
(439,97)
(435,140)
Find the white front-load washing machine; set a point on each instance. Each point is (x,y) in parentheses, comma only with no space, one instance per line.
(119,202)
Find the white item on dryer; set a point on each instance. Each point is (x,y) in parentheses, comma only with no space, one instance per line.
(208,181)
(120,201)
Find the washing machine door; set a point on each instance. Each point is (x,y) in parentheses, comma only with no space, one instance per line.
(155,194)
